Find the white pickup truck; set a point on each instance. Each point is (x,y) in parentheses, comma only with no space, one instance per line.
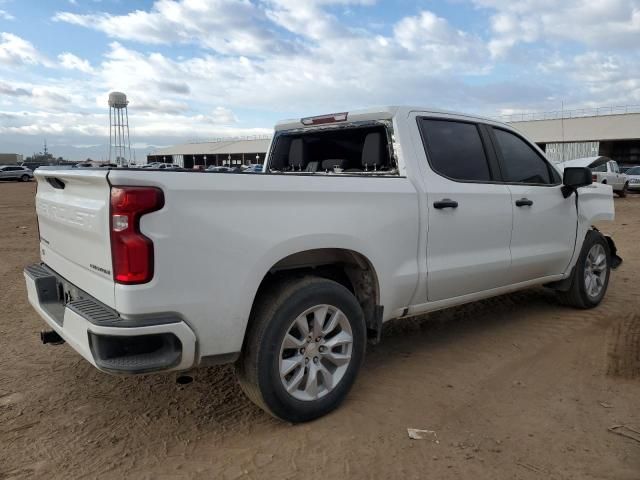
(604,170)
(357,219)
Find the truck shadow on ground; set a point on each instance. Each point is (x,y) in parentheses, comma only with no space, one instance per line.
(216,398)
(133,418)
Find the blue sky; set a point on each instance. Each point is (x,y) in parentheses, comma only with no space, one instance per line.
(203,69)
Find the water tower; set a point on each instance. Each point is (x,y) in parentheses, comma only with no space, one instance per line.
(119,141)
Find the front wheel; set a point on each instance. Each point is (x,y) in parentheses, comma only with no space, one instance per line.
(24,178)
(304,348)
(591,273)
(623,193)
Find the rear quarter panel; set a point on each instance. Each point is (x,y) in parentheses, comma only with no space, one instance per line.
(219,234)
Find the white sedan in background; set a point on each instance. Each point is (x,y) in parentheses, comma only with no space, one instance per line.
(634,179)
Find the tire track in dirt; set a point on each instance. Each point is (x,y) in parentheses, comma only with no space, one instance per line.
(624,348)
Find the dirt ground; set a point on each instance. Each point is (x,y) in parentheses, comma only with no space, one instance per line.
(514,387)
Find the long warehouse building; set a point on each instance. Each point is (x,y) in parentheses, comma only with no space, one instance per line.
(563,135)
(613,132)
(222,152)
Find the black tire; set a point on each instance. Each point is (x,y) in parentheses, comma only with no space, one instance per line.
(623,193)
(275,310)
(25,178)
(577,295)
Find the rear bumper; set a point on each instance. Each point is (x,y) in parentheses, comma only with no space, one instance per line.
(109,342)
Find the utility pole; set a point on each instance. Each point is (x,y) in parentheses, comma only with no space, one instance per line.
(562,125)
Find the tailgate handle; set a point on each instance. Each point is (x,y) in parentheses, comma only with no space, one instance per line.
(55,183)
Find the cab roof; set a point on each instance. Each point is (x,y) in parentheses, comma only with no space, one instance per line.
(375,113)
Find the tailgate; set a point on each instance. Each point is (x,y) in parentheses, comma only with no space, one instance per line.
(73,219)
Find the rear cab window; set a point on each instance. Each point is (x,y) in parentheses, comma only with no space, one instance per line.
(357,149)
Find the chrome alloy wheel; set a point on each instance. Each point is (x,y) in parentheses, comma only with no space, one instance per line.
(595,270)
(315,352)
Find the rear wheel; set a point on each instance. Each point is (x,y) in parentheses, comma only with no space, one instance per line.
(591,273)
(24,178)
(303,350)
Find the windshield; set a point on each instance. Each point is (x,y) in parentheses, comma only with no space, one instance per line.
(634,171)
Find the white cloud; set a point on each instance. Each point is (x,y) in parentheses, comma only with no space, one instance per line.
(72,62)
(428,34)
(599,24)
(4,15)
(226,26)
(13,91)
(15,51)
(605,79)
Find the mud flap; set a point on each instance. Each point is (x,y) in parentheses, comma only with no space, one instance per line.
(374,325)
(616,260)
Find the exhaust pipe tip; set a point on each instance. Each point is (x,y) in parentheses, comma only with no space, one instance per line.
(51,337)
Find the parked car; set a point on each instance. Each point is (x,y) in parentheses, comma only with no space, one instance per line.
(161,166)
(604,170)
(429,210)
(221,168)
(33,165)
(254,168)
(15,172)
(217,168)
(633,174)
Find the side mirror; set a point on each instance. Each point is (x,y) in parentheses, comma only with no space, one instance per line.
(574,178)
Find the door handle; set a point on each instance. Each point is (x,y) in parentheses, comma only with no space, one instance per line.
(524,202)
(445,203)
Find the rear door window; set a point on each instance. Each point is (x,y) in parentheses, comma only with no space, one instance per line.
(455,149)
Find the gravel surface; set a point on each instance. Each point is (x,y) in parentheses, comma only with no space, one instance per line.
(514,387)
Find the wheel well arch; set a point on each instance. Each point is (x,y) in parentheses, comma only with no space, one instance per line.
(351,269)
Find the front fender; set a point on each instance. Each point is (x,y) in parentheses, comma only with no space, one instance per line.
(616,260)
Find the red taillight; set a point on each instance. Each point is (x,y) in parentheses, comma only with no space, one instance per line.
(131,251)
(594,177)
